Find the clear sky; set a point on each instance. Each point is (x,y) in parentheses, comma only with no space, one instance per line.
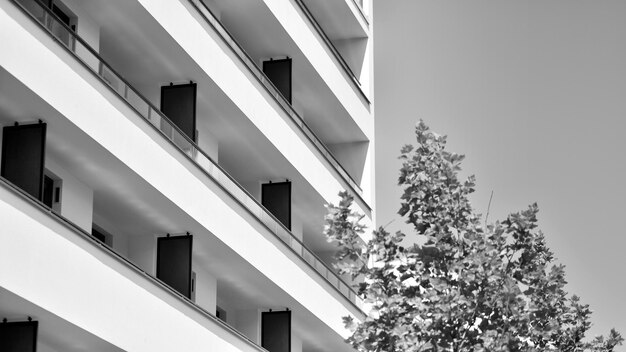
(533,92)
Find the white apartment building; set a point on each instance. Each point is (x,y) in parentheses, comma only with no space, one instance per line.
(164,170)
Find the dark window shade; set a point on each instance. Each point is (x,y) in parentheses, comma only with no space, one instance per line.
(98,235)
(174,262)
(276,198)
(23,155)
(279,73)
(18,336)
(178,103)
(220,313)
(276,331)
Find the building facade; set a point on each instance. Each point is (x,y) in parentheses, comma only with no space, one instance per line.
(165,167)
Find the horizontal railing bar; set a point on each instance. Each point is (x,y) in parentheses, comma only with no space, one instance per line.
(362,12)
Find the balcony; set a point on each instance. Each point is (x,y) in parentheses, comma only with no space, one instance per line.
(114,213)
(126,37)
(322,95)
(84,283)
(355,65)
(53,333)
(351,42)
(147,58)
(314,110)
(186,148)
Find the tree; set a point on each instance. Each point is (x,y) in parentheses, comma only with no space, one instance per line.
(467,287)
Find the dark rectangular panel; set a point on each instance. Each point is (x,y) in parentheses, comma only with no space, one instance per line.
(276,331)
(23,155)
(18,336)
(279,73)
(178,103)
(276,198)
(48,190)
(98,235)
(174,262)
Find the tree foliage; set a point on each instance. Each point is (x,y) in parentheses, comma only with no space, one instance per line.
(467,287)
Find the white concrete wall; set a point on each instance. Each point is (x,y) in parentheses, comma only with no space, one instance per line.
(61,272)
(114,125)
(76,197)
(118,238)
(179,19)
(367,9)
(356,13)
(296,343)
(353,52)
(248,321)
(368,181)
(352,157)
(254,188)
(296,226)
(323,61)
(333,74)
(366,76)
(358,159)
(227,307)
(206,288)
(42,347)
(208,142)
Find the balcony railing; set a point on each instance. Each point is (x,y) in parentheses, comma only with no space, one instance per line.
(359,6)
(158,283)
(91,59)
(212,20)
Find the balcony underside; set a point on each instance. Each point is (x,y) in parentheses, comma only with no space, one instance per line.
(135,211)
(144,53)
(336,117)
(54,333)
(102,115)
(341,19)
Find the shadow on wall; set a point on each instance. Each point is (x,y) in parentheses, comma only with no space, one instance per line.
(351,156)
(353,52)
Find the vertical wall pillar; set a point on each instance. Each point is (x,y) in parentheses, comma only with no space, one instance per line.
(296,343)
(206,289)
(76,197)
